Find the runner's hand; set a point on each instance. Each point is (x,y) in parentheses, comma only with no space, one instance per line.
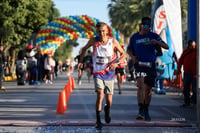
(135,59)
(113,66)
(154,41)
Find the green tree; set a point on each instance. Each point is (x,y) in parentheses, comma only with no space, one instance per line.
(19,19)
(22,18)
(184,13)
(126,15)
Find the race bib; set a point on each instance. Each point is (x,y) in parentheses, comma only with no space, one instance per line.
(145,64)
(102,60)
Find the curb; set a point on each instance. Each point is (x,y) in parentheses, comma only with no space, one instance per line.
(74,122)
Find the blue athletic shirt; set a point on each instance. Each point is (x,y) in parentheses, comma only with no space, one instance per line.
(141,46)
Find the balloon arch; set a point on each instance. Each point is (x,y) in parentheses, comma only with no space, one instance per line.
(53,34)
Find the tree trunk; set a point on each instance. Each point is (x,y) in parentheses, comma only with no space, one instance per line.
(8,66)
(7,48)
(13,54)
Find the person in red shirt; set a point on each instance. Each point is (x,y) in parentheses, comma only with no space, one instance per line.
(188,61)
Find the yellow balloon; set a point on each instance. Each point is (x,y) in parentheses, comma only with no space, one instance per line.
(39,35)
(46,34)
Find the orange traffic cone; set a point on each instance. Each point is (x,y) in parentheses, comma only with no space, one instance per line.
(69,87)
(73,83)
(70,80)
(66,93)
(64,99)
(60,106)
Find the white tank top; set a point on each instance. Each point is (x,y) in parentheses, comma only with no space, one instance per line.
(103,56)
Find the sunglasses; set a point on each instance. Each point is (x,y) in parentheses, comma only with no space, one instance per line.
(146,26)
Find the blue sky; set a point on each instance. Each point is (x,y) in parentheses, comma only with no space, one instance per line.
(94,8)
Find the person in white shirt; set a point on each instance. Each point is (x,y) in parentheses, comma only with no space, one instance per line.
(49,64)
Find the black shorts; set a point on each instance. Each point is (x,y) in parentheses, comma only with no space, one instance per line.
(47,72)
(149,74)
(120,71)
(82,68)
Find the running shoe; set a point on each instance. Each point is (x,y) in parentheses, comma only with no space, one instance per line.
(140,116)
(147,116)
(98,125)
(79,83)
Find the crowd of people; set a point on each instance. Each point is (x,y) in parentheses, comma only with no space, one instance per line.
(35,68)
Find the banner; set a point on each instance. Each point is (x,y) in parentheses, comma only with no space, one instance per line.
(166,63)
(166,14)
(173,13)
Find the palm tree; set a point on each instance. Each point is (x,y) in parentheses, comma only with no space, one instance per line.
(184,4)
(126,15)
(184,13)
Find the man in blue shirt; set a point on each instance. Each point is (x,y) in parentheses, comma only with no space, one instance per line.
(143,48)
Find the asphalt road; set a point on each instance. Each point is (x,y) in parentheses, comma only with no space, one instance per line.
(32,108)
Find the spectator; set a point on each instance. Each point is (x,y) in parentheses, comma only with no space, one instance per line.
(40,66)
(49,64)
(32,64)
(21,68)
(188,61)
